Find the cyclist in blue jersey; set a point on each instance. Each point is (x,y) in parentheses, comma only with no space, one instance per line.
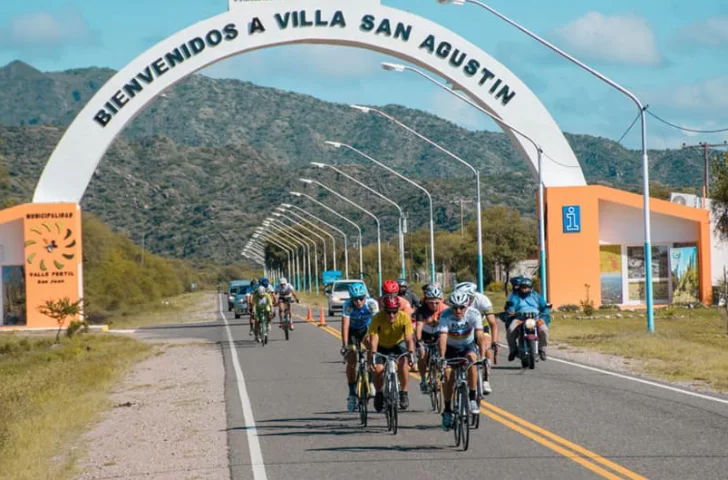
(356,316)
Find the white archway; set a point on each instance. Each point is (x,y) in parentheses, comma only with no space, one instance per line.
(253,25)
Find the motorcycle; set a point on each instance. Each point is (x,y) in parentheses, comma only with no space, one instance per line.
(527,339)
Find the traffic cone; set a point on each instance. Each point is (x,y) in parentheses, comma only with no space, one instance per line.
(309,317)
(322,319)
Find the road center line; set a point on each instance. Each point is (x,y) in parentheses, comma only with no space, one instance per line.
(569,450)
(256,457)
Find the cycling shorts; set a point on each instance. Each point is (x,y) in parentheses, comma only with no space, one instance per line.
(486,327)
(357,336)
(457,352)
(287,300)
(430,338)
(398,349)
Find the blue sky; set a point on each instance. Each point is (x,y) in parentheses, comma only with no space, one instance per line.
(673,54)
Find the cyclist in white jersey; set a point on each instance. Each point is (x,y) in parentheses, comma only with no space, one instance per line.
(482,304)
(461,335)
(285,293)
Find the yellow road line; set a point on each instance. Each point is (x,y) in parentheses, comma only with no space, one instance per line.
(570,450)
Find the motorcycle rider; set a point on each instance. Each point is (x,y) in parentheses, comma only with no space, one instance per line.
(526,300)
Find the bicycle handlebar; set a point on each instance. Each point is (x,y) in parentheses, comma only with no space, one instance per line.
(392,357)
(462,361)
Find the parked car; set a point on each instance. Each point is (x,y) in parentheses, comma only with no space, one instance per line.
(240,302)
(338,294)
(233,288)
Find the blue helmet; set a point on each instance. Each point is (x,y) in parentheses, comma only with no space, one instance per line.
(264,282)
(357,290)
(515,281)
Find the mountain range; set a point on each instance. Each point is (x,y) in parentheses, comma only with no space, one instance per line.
(203,165)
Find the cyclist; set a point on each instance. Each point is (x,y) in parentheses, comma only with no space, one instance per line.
(484,306)
(285,292)
(391,287)
(263,305)
(390,333)
(253,288)
(356,315)
(407,294)
(461,335)
(427,331)
(527,301)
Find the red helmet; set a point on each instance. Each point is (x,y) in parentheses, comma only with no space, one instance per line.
(391,302)
(390,287)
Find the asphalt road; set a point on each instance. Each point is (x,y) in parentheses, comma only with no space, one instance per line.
(557,422)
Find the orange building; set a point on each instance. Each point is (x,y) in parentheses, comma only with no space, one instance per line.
(595,237)
(41,259)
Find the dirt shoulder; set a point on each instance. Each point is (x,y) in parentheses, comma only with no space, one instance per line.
(168,420)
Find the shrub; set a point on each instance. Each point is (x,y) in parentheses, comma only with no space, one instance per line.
(587,305)
(75,326)
(569,307)
(495,287)
(609,307)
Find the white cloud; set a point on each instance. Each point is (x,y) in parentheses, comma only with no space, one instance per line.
(709,95)
(712,32)
(45,29)
(626,39)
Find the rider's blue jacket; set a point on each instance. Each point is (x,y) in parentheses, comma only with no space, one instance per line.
(360,318)
(533,303)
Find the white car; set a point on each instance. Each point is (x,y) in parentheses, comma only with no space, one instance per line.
(338,293)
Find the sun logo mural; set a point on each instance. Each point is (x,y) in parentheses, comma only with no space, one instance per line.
(49,249)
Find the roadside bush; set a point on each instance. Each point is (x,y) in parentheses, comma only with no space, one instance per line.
(569,308)
(609,307)
(495,287)
(75,327)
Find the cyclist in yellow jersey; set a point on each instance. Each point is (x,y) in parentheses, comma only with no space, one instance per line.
(391,333)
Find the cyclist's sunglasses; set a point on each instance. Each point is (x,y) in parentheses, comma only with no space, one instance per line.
(359,299)
(459,308)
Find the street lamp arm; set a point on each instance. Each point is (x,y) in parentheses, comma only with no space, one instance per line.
(330,190)
(331,210)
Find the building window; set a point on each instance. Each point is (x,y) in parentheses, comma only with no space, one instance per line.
(636,274)
(13,290)
(610,268)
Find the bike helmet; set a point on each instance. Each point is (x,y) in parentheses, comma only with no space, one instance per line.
(357,290)
(261,291)
(526,282)
(468,287)
(284,281)
(515,281)
(391,302)
(264,282)
(402,282)
(433,291)
(459,298)
(270,289)
(390,287)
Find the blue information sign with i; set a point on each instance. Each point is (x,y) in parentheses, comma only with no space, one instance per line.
(571,217)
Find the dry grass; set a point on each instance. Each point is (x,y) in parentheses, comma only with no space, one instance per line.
(689,345)
(186,308)
(312,299)
(49,394)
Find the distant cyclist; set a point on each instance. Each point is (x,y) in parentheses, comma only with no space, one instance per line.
(390,333)
(461,336)
(428,328)
(484,306)
(356,316)
(286,294)
(407,294)
(263,305)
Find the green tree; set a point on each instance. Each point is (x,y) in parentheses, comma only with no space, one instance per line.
(507,237)
(719,193)
(60,310)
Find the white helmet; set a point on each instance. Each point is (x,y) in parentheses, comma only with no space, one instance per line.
(284,281)
(459,298)
(261,291)
(270,289)
(468,287)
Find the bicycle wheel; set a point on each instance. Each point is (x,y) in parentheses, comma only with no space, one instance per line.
(457,425)
(286,324)
(363,396)
(464,415)
(393,402)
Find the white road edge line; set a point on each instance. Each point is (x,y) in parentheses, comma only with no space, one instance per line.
(256,457)
(638,380)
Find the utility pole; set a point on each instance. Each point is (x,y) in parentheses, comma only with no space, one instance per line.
(706,181)
(462,201)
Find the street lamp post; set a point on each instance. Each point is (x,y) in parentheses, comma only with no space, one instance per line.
(429,197)
(298,244)
(279,241)
(346,250)
(379,229)
(341,232)
(286,208)
(645,162)
(285,230)
(401,213)
(315,247)
(536,146)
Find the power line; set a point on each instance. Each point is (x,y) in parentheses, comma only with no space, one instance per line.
(686,129)
(630,127)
